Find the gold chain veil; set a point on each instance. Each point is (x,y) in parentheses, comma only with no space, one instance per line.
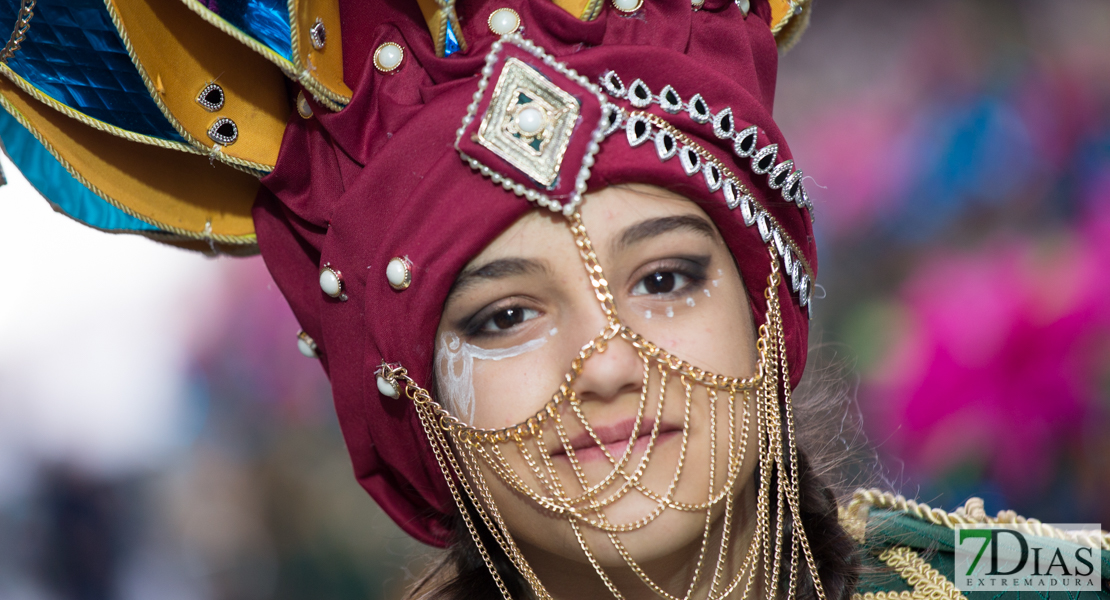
(465,454)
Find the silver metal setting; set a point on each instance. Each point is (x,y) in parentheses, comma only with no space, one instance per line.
(224,131)
(318,34)
(732,193)
(614,118)
(211,97)
(724,126)
(744,143)
(779,174)
(698,109)
(764,160)
(639,94)
(670,101)
(612,84)
(713,176)
(691,162)
(637,129)
(666,146)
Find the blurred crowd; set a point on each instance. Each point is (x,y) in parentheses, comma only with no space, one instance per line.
(958,153)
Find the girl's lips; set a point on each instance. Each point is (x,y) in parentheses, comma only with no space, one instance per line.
(615,438)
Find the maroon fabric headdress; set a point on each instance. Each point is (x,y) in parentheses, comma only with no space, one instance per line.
(669,96)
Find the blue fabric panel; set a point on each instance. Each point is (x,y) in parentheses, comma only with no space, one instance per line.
(74,54)
(51,179)
(264,20)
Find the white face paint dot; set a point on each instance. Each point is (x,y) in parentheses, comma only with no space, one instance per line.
(388,57)
(388,389)
(398,274)
(706,290)
(628,6)
(503,21)
(647,314)
(670,312)
(530,121)
(331,282)
(689,302)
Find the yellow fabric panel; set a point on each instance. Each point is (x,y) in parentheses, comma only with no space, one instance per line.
(325,65)
(181,193)
(586,10)
(430,9)
(181,53)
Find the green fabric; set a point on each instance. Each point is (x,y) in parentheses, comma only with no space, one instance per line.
(935,544)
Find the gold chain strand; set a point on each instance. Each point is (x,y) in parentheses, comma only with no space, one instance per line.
(764,559)
(19,32)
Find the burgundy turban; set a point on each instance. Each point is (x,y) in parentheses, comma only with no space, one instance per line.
(383,178)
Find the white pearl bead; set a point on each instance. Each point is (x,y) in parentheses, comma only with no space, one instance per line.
(628,6)
(330,282)
(306,345)
(504,21)
(388,389)
(744,5)
(397,272)
(530,121)
(388,57)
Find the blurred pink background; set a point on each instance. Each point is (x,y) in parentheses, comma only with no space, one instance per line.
(161,437)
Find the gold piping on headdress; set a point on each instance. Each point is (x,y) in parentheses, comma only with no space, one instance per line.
(182,194)
(69,111)
(440,14)
(789,18)
(184,60)
(323,77)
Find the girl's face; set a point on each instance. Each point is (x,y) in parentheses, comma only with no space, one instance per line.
(521,311)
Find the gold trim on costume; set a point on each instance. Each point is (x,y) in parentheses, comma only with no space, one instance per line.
(182,194)
(927,582)
(184,60)
(69,111)
(972,513)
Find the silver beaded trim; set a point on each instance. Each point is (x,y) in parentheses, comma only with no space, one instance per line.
(611,120)
(211,97)
(639,127)
(318,34)
(781,175)
(224,131)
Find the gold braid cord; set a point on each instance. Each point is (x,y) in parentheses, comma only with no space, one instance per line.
(523,459)
(971,513)
(927,582)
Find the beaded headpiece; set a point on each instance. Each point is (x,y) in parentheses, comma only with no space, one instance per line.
(410,142)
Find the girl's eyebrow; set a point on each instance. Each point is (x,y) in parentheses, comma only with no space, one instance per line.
(496,269)
(649,228)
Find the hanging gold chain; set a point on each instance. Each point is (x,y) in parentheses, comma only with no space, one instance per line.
(19,33)
(465,454)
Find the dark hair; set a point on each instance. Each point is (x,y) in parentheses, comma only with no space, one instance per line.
(826,427)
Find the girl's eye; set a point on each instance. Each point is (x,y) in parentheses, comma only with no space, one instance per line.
(661,282)
(508,318)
